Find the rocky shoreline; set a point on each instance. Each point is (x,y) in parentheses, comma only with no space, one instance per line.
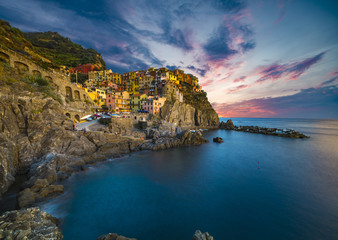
(37,139)
(289,133)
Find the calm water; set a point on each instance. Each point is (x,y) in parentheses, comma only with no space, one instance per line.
(250,187)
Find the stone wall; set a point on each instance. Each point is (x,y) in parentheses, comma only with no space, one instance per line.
(123,126)
(73,96)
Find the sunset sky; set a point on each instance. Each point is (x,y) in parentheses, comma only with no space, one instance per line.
(254,58)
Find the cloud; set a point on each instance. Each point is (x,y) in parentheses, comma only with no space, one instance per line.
(238,88)
(218,47)
(199,71)
(207,83)
(328,82)
(308,103)
(228,5)
(172,67)
(281,16)
(246,46)
(240,79)
(291,71)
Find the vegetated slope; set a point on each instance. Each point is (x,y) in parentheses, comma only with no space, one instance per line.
(62,51)
(13,38)
(48,49)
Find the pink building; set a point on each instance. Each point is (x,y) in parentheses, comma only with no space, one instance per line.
(153,105)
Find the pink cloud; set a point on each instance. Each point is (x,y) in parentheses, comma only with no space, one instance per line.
(240,79)
(290,71)
(238,88)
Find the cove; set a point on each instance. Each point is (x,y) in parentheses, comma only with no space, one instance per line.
(249,187)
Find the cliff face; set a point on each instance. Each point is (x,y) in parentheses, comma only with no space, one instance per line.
(23,124)
(186,116)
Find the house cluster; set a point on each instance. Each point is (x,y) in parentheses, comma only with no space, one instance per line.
(144,90)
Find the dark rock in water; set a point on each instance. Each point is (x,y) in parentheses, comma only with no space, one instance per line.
(30,223)
(113,236)
(229,125)
(202,236)
(218,140)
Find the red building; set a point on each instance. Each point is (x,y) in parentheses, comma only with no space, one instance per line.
(83,68)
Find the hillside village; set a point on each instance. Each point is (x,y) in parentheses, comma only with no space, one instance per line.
(135,91)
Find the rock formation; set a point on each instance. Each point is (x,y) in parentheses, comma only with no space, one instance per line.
(25,127)
(228,125)
(113,236)
(202,236)
(30,223)
(186,116)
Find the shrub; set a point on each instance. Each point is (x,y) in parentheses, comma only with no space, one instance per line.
(41,81)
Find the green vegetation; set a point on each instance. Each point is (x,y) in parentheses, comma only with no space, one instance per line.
(196,99)
(62,51)
(13,80)
(48,49)
(42,85)
(13,38)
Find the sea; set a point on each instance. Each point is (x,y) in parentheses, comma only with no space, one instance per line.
(251,186)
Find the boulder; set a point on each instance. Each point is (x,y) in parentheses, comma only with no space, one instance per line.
(218,140)
(202,236)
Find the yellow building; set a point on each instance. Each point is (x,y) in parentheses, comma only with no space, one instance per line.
(173,78)
(93,95)
(123,101)
(100,76)
(102,96)
(136,101)
(116,78)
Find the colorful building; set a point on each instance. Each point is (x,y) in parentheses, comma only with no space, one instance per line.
(136,101)
(153,105)
(118,101)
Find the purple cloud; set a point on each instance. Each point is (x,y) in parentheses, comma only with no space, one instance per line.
(290,71)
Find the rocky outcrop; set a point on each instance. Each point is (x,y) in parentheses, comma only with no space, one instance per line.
(186,116)
(113,236)
(183,139)
(29,223)
(25,124)
(202,236)
(228,125)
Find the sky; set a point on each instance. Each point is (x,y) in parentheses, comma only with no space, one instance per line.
(257,58)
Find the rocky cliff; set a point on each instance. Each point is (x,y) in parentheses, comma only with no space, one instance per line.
(25,124)
(29,223)
(186,115)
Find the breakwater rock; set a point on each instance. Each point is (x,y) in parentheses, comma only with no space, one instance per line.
(198,235)
(290,133)
(113,236)
(30,223)
(202,236)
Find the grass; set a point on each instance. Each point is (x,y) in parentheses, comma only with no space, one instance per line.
(16,81)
